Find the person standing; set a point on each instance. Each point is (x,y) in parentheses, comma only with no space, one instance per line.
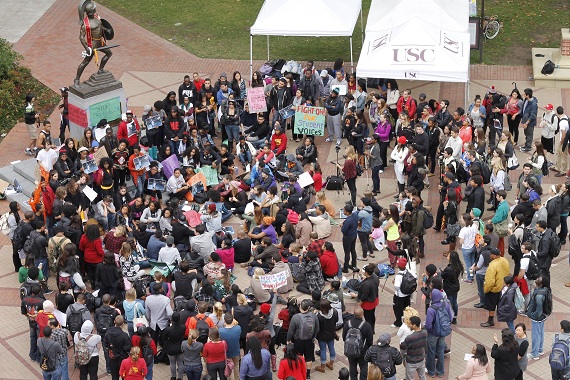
(328,318)
(437,331)
(158,311)
(365,228)
(214,354)
(51,350)
(520,336)
(563,338)
(494,278)
(302,336)
(173,337)
(505,355)
(134,366)
(118,344)
(349,170)
(375,162)
(501,216)
(61,336)
(231,333)
(92,340)
(374,356)
(31,305)
(367,337)
(400,300)
(333,105)
(539,308)
(545,240)
(415,347)
(528,118)
(450,276)
(368,295)
(349,231)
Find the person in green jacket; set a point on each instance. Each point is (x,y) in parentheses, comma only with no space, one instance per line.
(501,216)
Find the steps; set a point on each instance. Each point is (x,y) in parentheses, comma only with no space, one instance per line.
(23,172)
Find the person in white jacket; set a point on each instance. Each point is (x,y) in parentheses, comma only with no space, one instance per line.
(549,125)
(498,175)
(399,155)
(455,143)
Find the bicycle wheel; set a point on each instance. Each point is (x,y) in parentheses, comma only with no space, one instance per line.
(492,29)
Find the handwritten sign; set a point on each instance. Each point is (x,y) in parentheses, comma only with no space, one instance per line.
(108,109)
(99,154)
(169,165)
(256,100)
(210,174)
(310,121)
(77,116)
(273,281)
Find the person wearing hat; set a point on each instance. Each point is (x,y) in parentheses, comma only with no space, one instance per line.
(399,154)
(549,125)
(528,119)
(213,219)
(129,129)
(278,141)
(497,270)
(64,167)
(266,180)
(375,356)
(169,254)
(333,105)
(401,300)
(292,167)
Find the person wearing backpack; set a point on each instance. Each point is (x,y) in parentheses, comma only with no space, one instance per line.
(31,305)
(402,295)
(528,271)
(158,312)
(506,309)
(539,308)
(480,269)
(384,356)
(368,294)
(55,247)
(147,346)
(49,352)
(104,319)
(438,326)
(358,338)
(39,250)
(548,247)
(303,330)
(13,223)
(77,313)
(498,269)
(418,226)
(116,344)
(86,337)
(199,322)
(560,354)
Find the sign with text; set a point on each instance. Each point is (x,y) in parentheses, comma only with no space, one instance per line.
(310,121)
(108,109)
(210,174)
(169,165)
(256,100)
(273,281)
(99,154)
(77,116)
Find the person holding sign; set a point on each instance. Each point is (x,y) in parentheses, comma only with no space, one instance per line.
(120,158)
(129,129)
(279,98)
(139,175)
(333,105)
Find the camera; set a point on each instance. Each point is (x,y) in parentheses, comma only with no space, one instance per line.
(399,244)
(337,148)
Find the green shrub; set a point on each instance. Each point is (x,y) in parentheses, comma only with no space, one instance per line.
(15,82)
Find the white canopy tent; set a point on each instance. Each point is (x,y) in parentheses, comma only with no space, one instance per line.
(312,18)
(417,40)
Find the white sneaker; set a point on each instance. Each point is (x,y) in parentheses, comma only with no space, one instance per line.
(338,142)
(380,171)
(393,325)
(328,139)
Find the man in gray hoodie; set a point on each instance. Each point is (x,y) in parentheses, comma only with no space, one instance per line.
(303,329)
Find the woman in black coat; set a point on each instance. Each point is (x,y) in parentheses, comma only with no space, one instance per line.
(108,276)
(172,337)
(450,276)
(417,175)
(506,356)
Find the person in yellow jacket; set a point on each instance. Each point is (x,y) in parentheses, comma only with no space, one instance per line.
(496,272)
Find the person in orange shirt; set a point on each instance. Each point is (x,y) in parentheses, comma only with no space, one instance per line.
(466,132)
(192,323)
(133,367)
(139,176)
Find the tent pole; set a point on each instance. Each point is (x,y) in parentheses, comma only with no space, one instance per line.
(268,48)
(251,56)
(361,25)
(351,58)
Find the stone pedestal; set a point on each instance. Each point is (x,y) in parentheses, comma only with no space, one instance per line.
(99,97)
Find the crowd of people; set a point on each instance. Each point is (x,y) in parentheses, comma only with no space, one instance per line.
(151,252)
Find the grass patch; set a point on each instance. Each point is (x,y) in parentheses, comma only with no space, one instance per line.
(15,82)
(220,29)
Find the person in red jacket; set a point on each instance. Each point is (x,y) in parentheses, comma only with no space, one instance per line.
(129,130)
(329,261)
(278,140)
(407,103)
(139,176)
(92,248)
(133,367)
(141,340)
(292,365)
(43,316)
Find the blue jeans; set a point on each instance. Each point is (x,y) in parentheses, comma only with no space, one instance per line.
(539,178)
(511,325)
(563,227)
(245,156)
(45,267)
(34,352)
(323,347)
(469,258)
(480,278)
(139,184)
(376,178)
(193,372)
(173,145)
(435,349)
(233,134)
(454,306)
(64,365)
(53,375)
(537,333)
(149,374)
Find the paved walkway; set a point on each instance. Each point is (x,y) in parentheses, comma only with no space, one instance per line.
(150,67)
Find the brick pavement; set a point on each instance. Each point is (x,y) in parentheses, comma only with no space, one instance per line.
(161,60)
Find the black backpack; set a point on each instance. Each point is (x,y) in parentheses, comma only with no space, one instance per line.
(25,289)
(30,247)
(384,362)
(147,354)
(428,218)
(18,237)
(105,321)
(554,249)
(532,271)
(409,283)
(544,168)
(548,68)
(75,319)
(203,329)
(515,249)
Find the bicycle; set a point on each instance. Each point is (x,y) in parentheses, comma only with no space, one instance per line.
(491,26)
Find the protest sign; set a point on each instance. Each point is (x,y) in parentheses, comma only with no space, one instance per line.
(273,281)
(169,165)
(99,154)
(310,121)
(287,112)
(210,174)
(256,100)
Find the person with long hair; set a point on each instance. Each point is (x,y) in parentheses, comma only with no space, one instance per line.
(564,210)
(506,145)
(393,234)
(466,237)
(256,363)
(477,113)
(477,366)
(349,170)
(399,154)
(533,189)
(383,130)
(293,365)
(92,248)
(538,160)
(129,267)
(192,350)
(450,211)
(13,222)
(450,276)
(506,310)
(520,336)
(108,276)
(417,173)
(214,354)
(505,355)
(68,269)
(141,340)
(328,318)
(242,313)
(498,175)
(134,367)
(513,109)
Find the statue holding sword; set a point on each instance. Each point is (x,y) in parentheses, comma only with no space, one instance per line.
(94,34)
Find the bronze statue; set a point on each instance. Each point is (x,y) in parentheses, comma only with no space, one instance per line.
(94,33)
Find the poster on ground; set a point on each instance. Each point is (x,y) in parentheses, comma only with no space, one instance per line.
(210,174)
(310,121)
(169,165)
(256,100)
(273,281)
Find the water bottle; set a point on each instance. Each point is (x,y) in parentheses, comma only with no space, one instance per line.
(235,171)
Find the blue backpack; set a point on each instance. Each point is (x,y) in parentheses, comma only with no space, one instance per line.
(560,353)
(442,320)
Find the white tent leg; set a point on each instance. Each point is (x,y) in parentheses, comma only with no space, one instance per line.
(351,58)
(361,25)
(268,48)
(468,87)
(251,56)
